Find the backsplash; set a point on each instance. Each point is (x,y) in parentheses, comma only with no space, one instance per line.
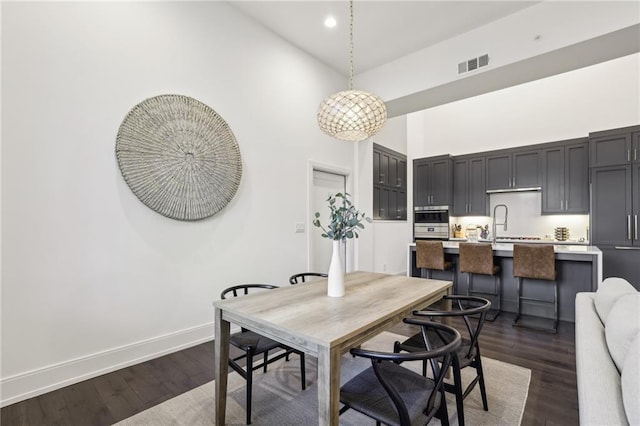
(525,219)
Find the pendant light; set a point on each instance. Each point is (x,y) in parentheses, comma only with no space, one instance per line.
(352,115)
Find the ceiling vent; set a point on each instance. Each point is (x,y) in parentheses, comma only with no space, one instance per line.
(473,64)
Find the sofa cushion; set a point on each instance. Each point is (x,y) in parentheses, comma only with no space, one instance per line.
(599,390)
(622,326)
(608,293)
(630,381)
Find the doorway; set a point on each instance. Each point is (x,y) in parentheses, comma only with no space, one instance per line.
(320,249)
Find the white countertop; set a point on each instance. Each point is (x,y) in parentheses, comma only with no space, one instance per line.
(559,248)
(540,241)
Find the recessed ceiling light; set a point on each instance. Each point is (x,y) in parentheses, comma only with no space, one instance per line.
(330,22)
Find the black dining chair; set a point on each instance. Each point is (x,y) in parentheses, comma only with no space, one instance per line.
(473,311)
(395,395)
(305,276)
(253,344)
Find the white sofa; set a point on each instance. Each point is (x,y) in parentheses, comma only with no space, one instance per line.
(608,354)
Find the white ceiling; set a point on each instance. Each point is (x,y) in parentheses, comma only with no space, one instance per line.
(383,30)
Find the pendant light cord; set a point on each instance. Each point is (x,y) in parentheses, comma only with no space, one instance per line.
(351,115)
(351,45)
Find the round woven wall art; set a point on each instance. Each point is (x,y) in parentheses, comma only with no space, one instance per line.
(179,157)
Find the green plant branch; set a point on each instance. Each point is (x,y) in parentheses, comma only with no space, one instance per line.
(344,219)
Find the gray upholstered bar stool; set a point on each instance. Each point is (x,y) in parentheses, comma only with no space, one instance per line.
(477,258)
(430,256)
(537,262)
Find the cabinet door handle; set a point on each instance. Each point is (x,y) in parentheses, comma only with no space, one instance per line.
(566,204)
(626,248)
(636,225)
(635,154)
(381,179)
(628,227)
(628,155)
(398,182)
(561,206)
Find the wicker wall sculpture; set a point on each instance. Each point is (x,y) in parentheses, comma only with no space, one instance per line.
(179,157)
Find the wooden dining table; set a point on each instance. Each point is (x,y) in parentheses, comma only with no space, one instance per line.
(305,318)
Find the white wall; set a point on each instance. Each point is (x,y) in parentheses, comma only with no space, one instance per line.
(565,106)
(91,278)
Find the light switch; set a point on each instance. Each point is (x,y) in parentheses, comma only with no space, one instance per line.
(299,227)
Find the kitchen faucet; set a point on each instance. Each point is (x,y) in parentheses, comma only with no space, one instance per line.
(506,213)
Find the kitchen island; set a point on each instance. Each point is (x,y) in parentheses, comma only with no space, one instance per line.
(579,268)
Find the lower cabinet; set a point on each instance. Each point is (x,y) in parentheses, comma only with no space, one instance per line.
(623,263)
(576,273)
(389,204)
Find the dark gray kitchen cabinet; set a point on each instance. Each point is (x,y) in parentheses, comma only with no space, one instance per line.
(635,217)
(615,187)
(432,181)
(389,184)
(623,263)
(499,171)
(614,147)
(611,205)
(565,177)
(469,187)
(615,200)
(513,169)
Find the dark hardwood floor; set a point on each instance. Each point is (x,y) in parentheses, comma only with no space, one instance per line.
(115,396)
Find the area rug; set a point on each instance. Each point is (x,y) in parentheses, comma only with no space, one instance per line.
(279,400)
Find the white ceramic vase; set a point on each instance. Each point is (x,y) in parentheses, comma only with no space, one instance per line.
(335,287)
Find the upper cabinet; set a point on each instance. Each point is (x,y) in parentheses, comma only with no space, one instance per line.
(513,169)
(389,184)
(615,147)
(565,177)
(469,189)
(432,181)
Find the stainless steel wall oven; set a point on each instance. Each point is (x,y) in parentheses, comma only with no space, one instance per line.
(431,222)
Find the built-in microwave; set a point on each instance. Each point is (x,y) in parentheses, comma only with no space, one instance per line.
(431,222)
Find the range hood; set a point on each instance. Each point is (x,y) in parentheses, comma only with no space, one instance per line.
(529,189)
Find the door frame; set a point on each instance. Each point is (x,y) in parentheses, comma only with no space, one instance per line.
(348,175)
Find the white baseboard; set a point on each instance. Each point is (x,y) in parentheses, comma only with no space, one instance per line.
(42,380)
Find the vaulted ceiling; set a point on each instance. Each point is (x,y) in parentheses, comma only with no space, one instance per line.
(383,30)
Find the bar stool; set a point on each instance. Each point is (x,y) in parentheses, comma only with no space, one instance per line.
(537,262)
(477,258)
(430,256)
